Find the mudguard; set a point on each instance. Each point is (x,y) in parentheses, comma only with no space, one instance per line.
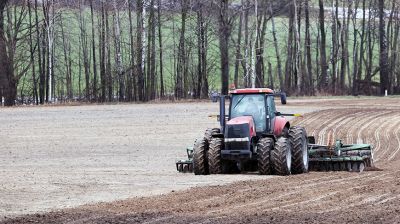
(280,124)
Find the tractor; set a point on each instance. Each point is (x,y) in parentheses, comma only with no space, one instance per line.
(252,136)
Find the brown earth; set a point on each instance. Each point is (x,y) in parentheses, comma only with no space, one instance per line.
(341,197)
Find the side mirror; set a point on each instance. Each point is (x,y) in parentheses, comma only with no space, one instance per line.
(283,98)
(214,97)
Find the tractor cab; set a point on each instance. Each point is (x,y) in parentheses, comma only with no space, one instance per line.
(250,108)
(259,106)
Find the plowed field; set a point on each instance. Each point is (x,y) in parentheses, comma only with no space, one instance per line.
(340,197)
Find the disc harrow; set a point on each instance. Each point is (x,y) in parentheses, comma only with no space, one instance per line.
(340,157)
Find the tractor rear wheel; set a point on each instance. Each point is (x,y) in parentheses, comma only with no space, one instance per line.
(200,163)
(264,147)
(298,141)
(281,157)
(215,162)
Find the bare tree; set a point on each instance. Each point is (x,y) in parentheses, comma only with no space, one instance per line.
(307,39)
(323,63)
(224,32)
(7,81)
(182,60)
(277,53)
(139,49)
(383,55)
(118,60)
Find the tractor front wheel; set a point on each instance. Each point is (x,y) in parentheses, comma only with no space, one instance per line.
(264,147)
(200,163)
(281,157)
(298,141)
(215,162)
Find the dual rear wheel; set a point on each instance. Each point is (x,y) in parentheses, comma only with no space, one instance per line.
(274,157)
(200,152)
(285,156)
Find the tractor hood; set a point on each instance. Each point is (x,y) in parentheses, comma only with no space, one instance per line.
(240,127)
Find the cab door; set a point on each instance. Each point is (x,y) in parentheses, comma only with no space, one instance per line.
(270,113)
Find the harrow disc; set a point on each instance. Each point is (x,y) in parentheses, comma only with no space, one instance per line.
(358,167)
(180,167)
(185,168)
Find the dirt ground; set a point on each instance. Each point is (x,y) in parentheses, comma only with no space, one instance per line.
(53,158)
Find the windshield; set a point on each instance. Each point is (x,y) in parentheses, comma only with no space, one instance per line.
(250,105)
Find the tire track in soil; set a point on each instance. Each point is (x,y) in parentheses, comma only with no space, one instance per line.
(397,134)
(363,125)
(384,132)
(316,124)
(389,135)
(338,129)
(354,125)
(377,135)
(373,119)
(372,133)
(297,189)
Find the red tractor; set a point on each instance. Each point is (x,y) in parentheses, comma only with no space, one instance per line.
(252,136)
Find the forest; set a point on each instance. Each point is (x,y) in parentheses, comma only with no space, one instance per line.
(56,51)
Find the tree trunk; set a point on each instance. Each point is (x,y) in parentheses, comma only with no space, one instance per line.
(32,54)
(277,53)
(8,83)
(202,82)
(86,63)
(151,54)
(238,49)
(383,56)
(102,53)
(110,89)
(224,25)
(323,63)
(335,43)
(310,82)
(260,44)
(68,73)
(355,51)
(160,45)
(344,39)
(182,60)
(289,58)
(94,53)
(139,49)
(118,53)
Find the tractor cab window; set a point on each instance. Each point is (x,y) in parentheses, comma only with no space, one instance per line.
(250,105)
(271,106)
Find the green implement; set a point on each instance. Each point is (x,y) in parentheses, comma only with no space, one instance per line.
(340,157)
(186,165)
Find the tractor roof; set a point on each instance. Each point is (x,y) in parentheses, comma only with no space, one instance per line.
(251,91)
